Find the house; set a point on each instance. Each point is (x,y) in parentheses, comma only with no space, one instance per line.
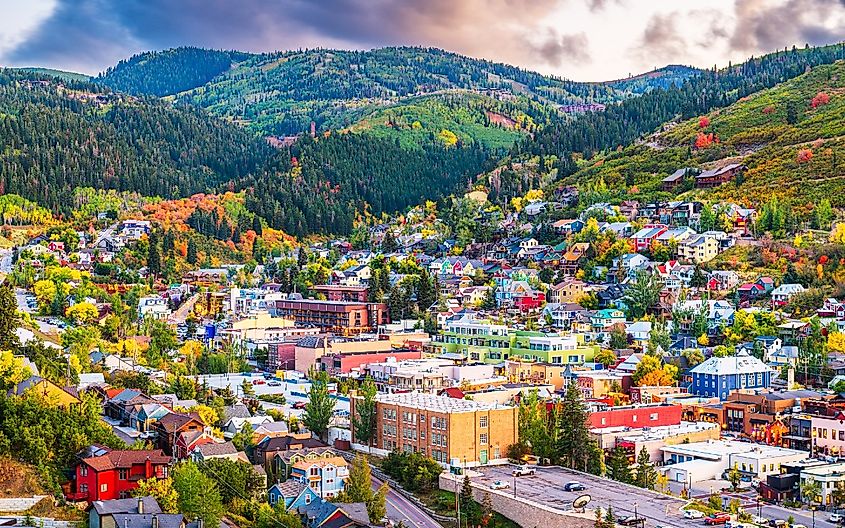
(722,280)
(716,177)
(673,180)
(568,227)
(170,426)
(45,389)
(569,290)
(324,514)
(292,493)
(719,376)
(219,450)
(102,512)
(535,208)
(326,476)
(698,249)
(644,237)
(104,474)
(783,293)
(142,418)
(154,307)
(562,315)
(573,257)
(270,452)
(287,459)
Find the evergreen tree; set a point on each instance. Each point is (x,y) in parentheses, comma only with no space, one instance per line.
(364,420)
(9,318)
(486,509)
(153,255)
(320,406)
(191,254)
(646,474)
(301,258)
(388,243)
(426,293)
(374,291)
(642,294)
(698,279)
(469,508)
(574,435)
(358,487)
(618,467)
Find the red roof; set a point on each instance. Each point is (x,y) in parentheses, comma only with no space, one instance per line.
(453,392)
(126,459)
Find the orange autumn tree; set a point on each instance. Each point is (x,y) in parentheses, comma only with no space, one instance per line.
(703,122)
(820,99)
(804,155)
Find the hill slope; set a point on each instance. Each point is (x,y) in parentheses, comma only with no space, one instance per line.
(790,137)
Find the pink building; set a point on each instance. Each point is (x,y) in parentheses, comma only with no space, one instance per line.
(345,363)
(828,434)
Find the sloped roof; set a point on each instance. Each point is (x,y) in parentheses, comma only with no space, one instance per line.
(732,365)
(125,459)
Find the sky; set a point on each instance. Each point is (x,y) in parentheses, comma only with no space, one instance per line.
(585,40)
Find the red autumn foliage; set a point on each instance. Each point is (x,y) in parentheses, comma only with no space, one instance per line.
(703,140)
(805,155)
(703,122)
(293,161)
(820,99)
(768,109)
(823,260)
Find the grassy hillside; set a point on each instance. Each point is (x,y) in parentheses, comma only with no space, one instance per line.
(790,137)
(61,74)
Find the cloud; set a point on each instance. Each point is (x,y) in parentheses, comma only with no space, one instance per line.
(766,25)
(662,40)
(558,49)
(92,34)
(598,5)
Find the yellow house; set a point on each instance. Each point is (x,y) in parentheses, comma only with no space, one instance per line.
(47,390)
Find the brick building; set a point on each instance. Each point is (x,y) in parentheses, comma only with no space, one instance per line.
(636,416)
(336,317)
(449,430)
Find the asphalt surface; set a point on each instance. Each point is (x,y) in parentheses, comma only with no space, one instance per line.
(401,509)
(546,487)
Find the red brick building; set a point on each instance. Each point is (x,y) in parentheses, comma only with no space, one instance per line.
(103,474)
(344,363)
(636,416)
(336,317)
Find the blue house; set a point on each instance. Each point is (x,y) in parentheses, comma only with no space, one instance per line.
(719,376)
(292,493)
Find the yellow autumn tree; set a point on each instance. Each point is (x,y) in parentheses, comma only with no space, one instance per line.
(82,313)
(651,371)
(836,342)
(12,370)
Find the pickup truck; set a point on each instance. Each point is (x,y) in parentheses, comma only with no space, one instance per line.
(519,471)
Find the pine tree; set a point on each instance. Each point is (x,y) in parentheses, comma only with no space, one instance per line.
(646,474)
(426,293)
(153,255)
(301,258)
(486,509)
(9,318)
(574,436)
(618,467)
(358,487)
(388,243)
(469,508)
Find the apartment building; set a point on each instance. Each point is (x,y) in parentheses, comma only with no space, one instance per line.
(336,317)
(449,430)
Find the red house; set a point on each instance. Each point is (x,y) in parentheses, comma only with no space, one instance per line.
(637,416)
(529,300)
(103,474)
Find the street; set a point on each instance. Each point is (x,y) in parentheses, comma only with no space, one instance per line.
(401,509)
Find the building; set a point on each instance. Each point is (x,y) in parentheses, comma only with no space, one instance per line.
(699,461)
(292,493)
(569,290)
(716,177)
(337,317)
(654,438)
(830,477)
(154,307)
(338,292)
(719,376)
(105,474)
(828,434)
(783,293)
(758,415)
(48,391)
(636,416)
(102,514)
(325,475)
(450,430)
(271,452)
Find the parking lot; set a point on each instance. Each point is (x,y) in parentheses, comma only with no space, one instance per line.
(546,487)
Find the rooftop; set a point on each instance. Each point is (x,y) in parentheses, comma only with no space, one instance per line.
(437,403)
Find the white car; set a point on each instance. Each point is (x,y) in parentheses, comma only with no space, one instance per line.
(836,518)
(519,471)
(499,484)
(693,514)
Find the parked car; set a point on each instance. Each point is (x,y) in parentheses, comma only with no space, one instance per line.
(693,514)
(499,484)
(299,405)
(717,518)
(836,518)
(630,520)
(798,526)
(258,382)
(574,486)
(274,384)
(760,521)
(519,471)
(777,523)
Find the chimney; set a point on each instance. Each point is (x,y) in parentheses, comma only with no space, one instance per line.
(140,505)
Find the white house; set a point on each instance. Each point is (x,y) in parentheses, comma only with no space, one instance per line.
(783,293)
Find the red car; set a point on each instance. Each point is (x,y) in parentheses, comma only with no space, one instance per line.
(258,382)
(299,405)
(717,518)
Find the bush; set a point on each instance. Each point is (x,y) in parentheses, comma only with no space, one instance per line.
(413,471)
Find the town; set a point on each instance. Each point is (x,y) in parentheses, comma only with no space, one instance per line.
(602,367)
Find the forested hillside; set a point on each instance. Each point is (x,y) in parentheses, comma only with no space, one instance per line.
(791,138)
(621,124)
(55,137)
(666,77)
(281,93)
(170,71)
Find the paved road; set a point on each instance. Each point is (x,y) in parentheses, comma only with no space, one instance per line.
(546,487)
(772,511)
(401,509)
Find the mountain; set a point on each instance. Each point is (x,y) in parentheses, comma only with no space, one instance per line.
(282,93)
(170,71)
(790,137)
(666,77)
(60,74)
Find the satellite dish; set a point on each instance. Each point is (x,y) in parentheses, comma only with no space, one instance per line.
(580,502)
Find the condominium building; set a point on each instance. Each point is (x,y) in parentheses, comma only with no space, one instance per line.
(336,317)
(457,431)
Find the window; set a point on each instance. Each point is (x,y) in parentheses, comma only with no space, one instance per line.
(104,488)
(634,418)
(482,422)
(83,488)
(315,471)
(653,416)
(482,439)
(123,474)
(83,470)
